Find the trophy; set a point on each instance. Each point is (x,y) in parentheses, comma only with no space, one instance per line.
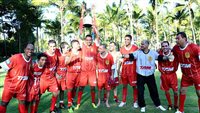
(87,20)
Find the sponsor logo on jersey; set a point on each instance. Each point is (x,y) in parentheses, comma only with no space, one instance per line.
(63,69)
(76,67)
(186,65)
(168,68)
(103,70)
(53,68)
(89,58)
(187,55)
(22,77)
(145,67)
(128,62)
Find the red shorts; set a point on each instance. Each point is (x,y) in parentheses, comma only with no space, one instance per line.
(48,84)
(88,78)
(191,80)
(169,81)
(8,94)
(129,79)
(33,91)
(103,82)
(72,80)
(114,82)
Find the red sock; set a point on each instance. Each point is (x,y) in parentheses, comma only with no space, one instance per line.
(124,94)
(182,102)
(73,93)
(79,97)
(2,109)
(53,103)
(135,95)
(92,93)
(199,104)
(22,108)
(69,97)
(115,97)
(176,100)
(168,99)
(34,107)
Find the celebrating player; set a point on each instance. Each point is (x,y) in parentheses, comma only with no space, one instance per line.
(128,74)
(188,55)
(18,67)
(104,65)
(33,94)
(48,79)
(168,74)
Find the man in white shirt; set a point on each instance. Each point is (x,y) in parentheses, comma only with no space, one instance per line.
(145,68)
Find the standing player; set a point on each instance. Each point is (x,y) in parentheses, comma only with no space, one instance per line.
(48,79)
(116,57)
(73,61)
(128,74)
(61,71)
(18,67)
(105,73)
(88,65)
(188,55)
(168,74)
(33,93)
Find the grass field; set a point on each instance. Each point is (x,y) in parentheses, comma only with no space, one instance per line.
(191,105)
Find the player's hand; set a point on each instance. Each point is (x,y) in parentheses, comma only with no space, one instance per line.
(171,57)
(125,55)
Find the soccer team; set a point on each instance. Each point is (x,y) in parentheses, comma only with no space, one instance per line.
(91,63)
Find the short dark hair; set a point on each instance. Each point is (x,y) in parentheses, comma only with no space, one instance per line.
(62,45)
(165,42)
(73,41)
(51,41)
(41,55)
(183,35)
(88,36)
(129,36)
(104,45)
(113,43)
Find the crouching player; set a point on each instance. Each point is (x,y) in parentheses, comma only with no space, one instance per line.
(33,94)
(104,65)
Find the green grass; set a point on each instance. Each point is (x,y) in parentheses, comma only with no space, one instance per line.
(191,105)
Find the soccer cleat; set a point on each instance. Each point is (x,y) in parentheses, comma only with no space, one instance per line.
(135,105)
(116,100)
(61,106)
(93,105)
(175,108)
(142,109)
(169,107)
(70,110)
(178,111)
(77,107)
(161,108)
(122,104)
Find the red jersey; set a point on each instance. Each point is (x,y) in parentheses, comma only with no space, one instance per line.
(167,67)
(18,73)
(128,66)
(75,63)
(36,74)
(89,57)
(51,65)
(105,64)
(62,68)
(188,58)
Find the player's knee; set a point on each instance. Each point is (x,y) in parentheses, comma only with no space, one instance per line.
(124,86)
(92,88)
(4,103)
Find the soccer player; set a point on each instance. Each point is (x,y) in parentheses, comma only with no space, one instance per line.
(18,72)
(33,94)
(105,72)
(168,77)
(145,68)
(188,55)
(61,71)
(116,57)
(128,74)
(48,79)
(73,61)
